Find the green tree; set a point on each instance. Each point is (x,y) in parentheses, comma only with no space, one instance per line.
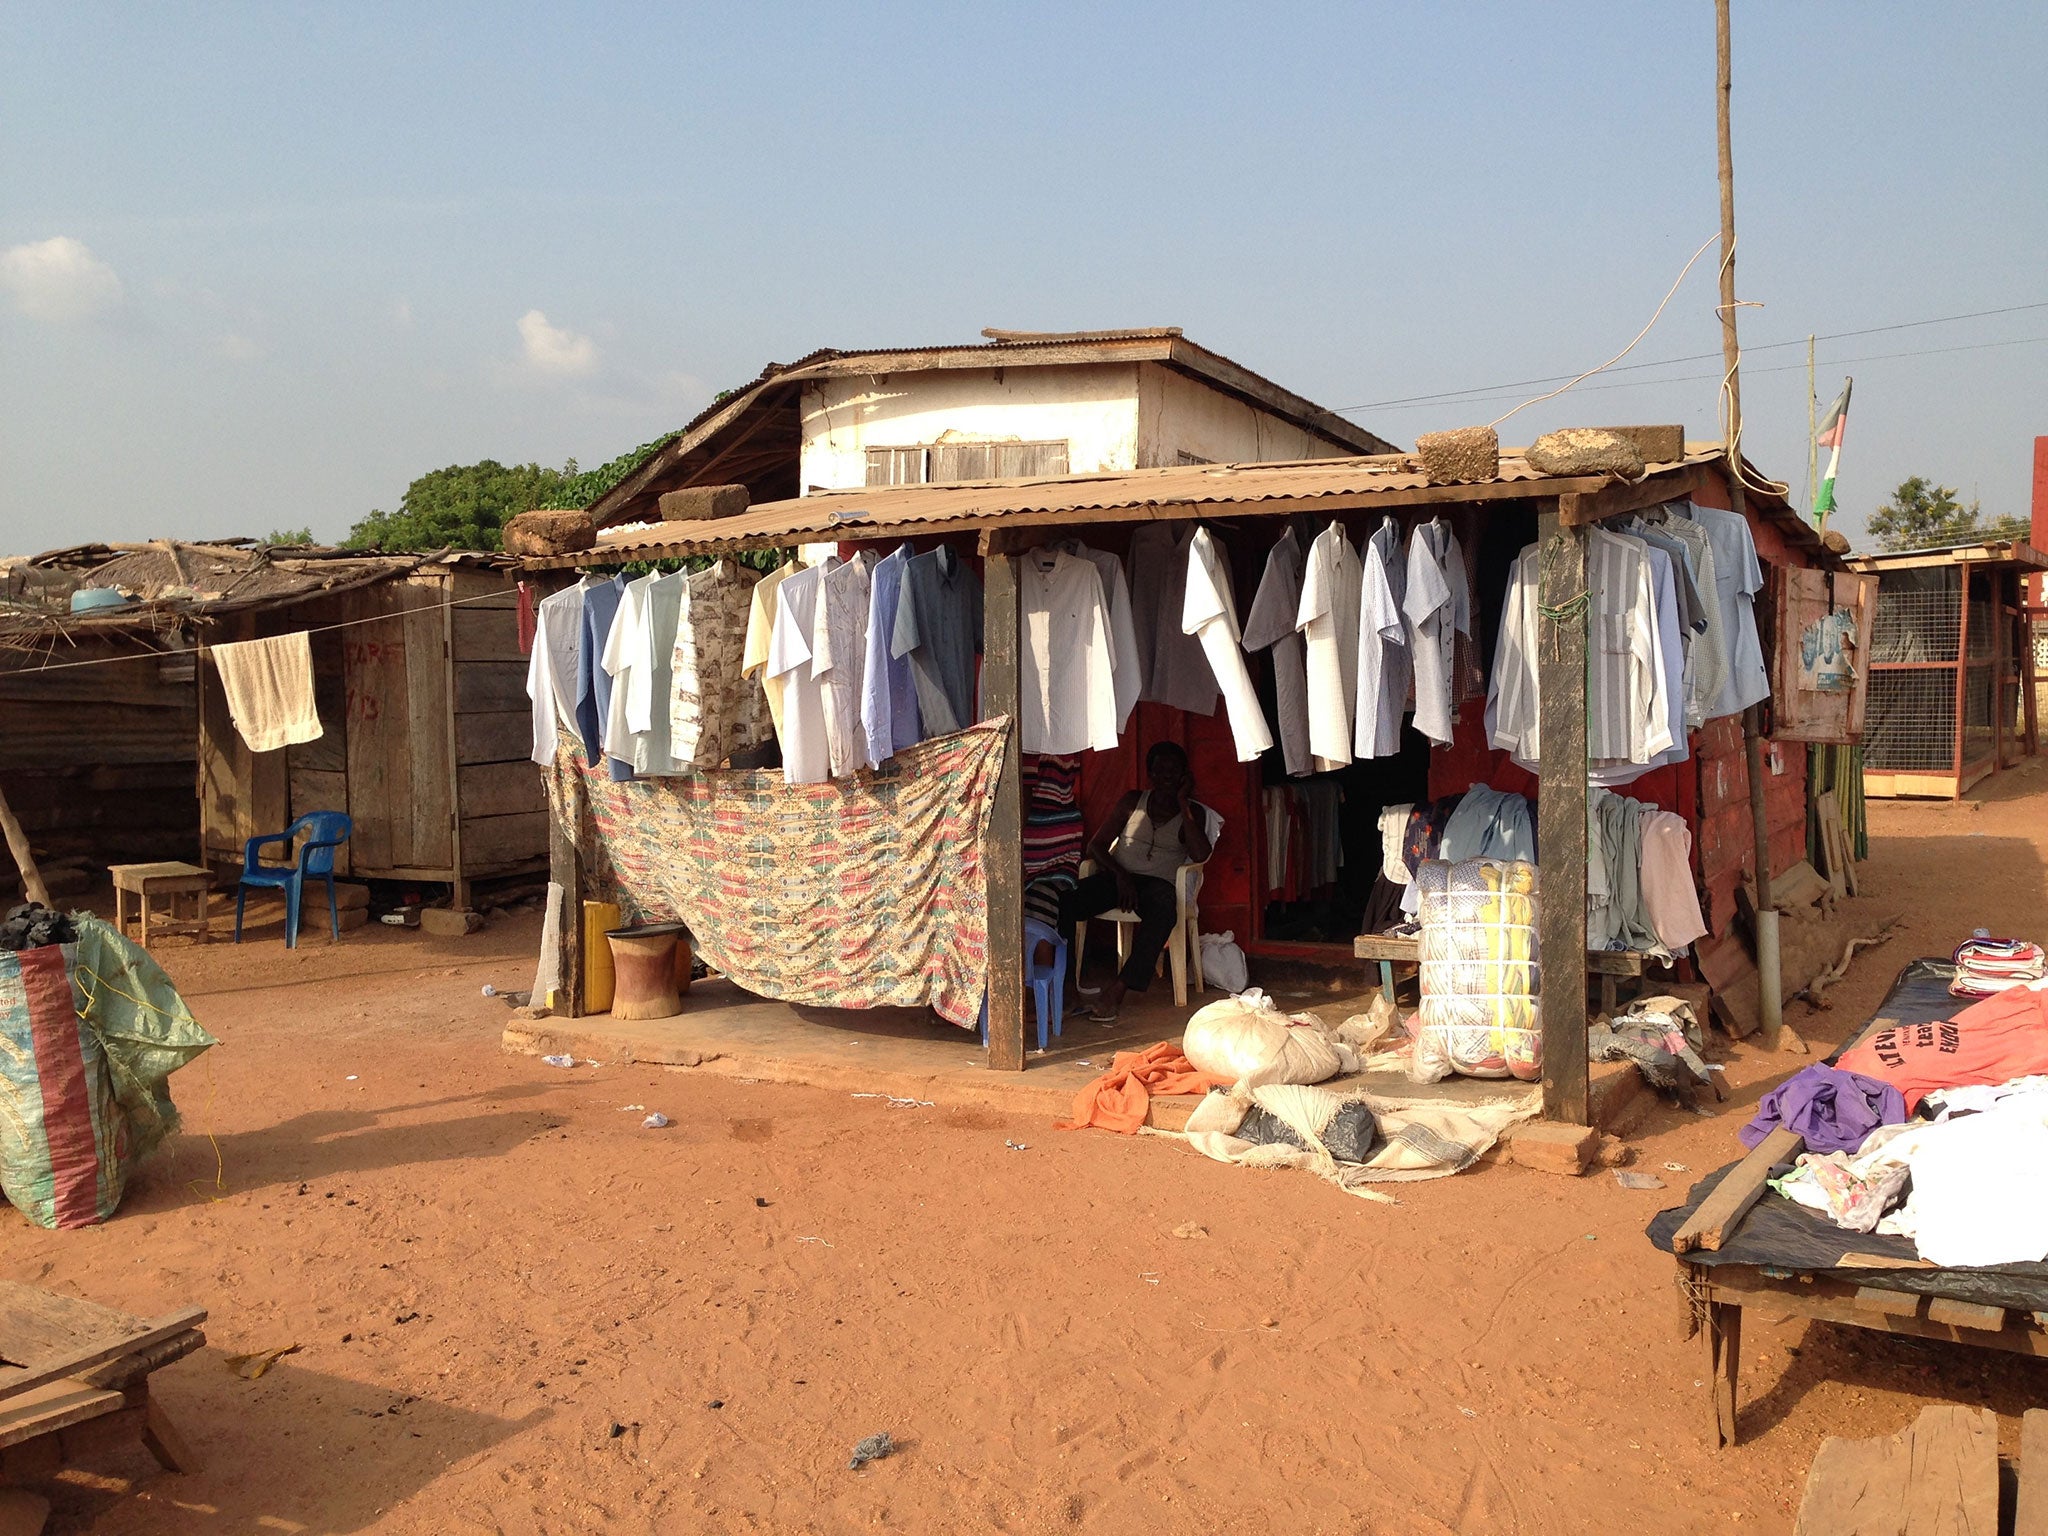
(290,536)
(580,487)
(1922,515)
(461,507)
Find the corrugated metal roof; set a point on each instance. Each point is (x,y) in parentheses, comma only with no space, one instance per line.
(1215,490)
(1977,551)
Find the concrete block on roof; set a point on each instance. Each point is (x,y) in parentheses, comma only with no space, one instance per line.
(696,503)
(550,533)
(1657,445)
(1459,456)
(1584,451)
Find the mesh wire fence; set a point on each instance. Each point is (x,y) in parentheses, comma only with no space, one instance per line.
(1910,721)
(1918,622)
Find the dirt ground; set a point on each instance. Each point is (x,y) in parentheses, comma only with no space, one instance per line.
(519,1311)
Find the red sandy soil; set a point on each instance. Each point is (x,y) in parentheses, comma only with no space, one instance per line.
(521,1312)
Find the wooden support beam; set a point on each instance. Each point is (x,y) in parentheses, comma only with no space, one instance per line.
(1561,628)
(1582,508)
(1003,854)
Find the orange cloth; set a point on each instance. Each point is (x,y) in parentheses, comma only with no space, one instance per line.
(2001,1038)
(1118,1100)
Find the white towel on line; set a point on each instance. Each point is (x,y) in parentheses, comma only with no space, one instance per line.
(269,686)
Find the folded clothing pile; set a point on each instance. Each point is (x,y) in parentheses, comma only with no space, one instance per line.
(1480,971)
(1986,966)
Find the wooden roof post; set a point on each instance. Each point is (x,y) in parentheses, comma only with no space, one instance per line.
(1564,610)
(1003,853)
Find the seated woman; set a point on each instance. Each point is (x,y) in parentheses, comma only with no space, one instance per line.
(1137,851)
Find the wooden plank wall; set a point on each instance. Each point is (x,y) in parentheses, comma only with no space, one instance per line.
(499,794)
(397,749)
(99,761)
(316,771)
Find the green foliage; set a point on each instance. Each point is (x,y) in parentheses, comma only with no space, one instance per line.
(461,507)
(1922,515)
(290,536)
(580,487)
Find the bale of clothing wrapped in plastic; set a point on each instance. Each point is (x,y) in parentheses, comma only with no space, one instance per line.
(1481,971)
(90,1031)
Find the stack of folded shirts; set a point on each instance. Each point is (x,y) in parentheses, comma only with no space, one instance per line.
(1988,966)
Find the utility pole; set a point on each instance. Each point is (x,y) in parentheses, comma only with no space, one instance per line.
(1770,999)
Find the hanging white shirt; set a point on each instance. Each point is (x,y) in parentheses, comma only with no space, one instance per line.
(1383,659)
(839,644)
(652,750)
(1270,627)
(1328,621)
(1209,613)
(806,756)
(1438,607)
(628,656)
(551,669)
(1666,701)
(1126,667)
(1067,697)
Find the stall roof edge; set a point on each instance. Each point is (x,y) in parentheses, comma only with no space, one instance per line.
(1976,551)
(1177,491)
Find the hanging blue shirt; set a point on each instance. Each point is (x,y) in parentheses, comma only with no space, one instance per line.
(593,683)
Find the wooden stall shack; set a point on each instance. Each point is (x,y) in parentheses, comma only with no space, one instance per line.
(1246,505)
(418,677)
(1951,663)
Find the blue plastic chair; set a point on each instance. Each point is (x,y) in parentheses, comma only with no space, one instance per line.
(325,831)
(1048,981)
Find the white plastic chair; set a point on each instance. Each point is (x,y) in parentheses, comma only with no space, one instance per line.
(1184,944)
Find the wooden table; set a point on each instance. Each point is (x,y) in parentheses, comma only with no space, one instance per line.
(185,886)
(1720,1294)
(78,1375)
(1387,949)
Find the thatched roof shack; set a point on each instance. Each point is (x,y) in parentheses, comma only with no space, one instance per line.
(417,672)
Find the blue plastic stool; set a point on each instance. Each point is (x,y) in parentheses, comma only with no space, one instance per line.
(1048,981)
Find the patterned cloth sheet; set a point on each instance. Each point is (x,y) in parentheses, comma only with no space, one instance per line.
(867,892)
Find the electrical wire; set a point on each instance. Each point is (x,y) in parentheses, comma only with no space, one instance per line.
(1692,378)
(1495,390)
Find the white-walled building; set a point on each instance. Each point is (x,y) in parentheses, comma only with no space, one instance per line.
(1021,404)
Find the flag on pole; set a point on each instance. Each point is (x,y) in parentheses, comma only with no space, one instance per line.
(1833,428)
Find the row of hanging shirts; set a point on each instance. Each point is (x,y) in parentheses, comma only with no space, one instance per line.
(853,660)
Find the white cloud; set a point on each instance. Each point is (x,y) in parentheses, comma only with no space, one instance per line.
(554,349)
(59,280)
(237,348)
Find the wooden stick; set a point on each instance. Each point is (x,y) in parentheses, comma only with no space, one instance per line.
(24,856)
(168,1326)
(1722,1211)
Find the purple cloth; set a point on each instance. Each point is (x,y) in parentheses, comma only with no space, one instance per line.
(1834,1110)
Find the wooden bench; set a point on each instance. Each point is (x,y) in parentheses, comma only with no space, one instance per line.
(182,885)
(1608,964)
(76,1374)
(1939,1473)
(1722,1292)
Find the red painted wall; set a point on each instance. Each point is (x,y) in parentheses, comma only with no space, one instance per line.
(2038,533)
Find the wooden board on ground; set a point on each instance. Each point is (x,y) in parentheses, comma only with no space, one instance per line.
(2030,1513)
(1737,994)
(1940,1474)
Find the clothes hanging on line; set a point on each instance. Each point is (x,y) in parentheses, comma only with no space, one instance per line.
(1054,838)
(839,649)
(1209,613)
(269,688)
(1066,693)
(1640,893)
(648,680)
(1386,664)
(1328,621)
(806,749)
(714,710)
(761,607)
(1173,669)
(888,705)
(1125,667)
(1436,608)
(1270,626)
(939,631)
(551,666)
(594,684)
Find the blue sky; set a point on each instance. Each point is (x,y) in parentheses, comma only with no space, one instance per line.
(262,264)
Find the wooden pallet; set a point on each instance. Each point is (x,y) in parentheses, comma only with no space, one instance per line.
(1939,1474)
